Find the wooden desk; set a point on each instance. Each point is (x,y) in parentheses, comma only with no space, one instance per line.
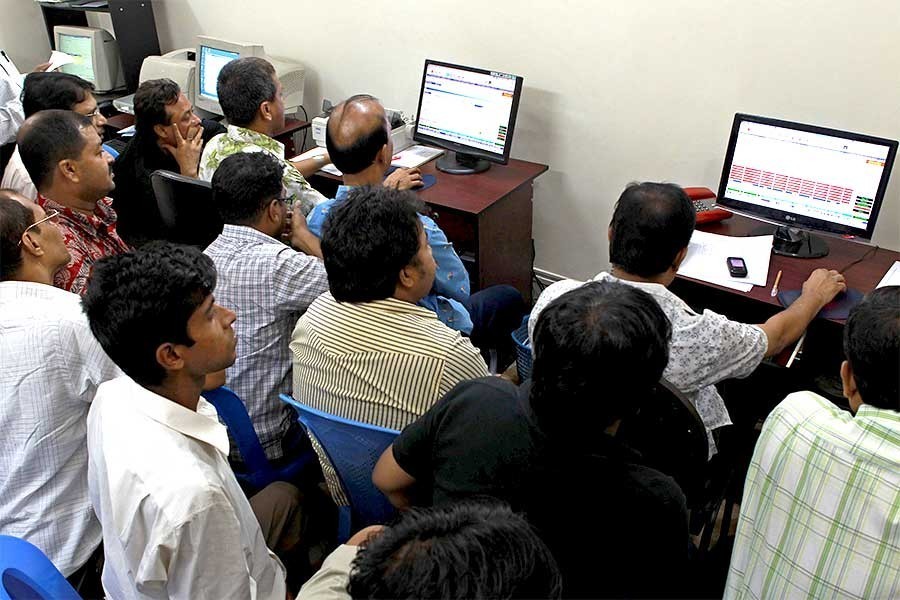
(822,348)
(487,216)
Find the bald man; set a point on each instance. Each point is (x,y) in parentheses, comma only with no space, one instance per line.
(359,144)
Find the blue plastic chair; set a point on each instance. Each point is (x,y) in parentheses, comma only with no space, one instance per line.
(352,448)
(259,472)
(25,572)
(523,350)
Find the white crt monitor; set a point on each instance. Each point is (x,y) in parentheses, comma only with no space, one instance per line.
(214,53)
(96,55)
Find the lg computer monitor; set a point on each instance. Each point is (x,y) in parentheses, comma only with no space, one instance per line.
(212,55)
(802,177)
(95,55)
(469,112)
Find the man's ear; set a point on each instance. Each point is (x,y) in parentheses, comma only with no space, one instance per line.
(679,258)
(31,244)
(850,389)
(169,358)
(384,156)
(407,278)
(161,131)
(265,110)
(273,211)
(68,169)
(609,233)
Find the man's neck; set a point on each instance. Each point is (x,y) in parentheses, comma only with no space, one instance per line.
(663,279)
(259,126)
(181,389)
(373,175)
(72,201)
(33,273)
(260,227)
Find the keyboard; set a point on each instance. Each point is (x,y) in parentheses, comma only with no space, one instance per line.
(704,203)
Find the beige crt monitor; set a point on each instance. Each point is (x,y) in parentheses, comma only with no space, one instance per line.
(95,53)
(214,53)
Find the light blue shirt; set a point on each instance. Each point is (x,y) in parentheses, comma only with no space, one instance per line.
(451,280)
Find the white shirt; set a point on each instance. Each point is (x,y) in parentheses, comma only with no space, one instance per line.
(51,367)
(705,348)
(16,177)
(330,581)
(175,522)
(11,114)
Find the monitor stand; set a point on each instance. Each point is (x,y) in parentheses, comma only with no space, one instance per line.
(790,241)
(457,163)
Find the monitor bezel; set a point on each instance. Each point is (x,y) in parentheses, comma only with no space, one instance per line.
(499,158)
(789,219)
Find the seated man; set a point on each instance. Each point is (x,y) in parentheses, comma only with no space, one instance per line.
(45,91)
(73,175)
(175,521)
(52,366)
(820,515)
(168,135)
(11,113)
(616,527)
(648,239)
(268,285)
(250,94)
(359,143)
(465,550)
(366,351)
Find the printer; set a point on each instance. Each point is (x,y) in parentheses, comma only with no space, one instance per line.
(402,127)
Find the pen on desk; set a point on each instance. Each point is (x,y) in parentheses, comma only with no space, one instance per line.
(774,291)
(796,351)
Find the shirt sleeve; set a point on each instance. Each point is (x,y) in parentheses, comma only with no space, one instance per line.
(464,362)
(711,348)
(87,365)
(316,218)
(11,114)
(297,280)
(330,581)
(204,558)
(451,278)
(550,294)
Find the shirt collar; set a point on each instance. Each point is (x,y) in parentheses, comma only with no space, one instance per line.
(103,217)
(248,136)
(886,417)
(657,290)
(202,425)
(392,305)
(243,233)
(342,192)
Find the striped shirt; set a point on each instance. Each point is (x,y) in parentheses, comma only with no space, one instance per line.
(268,285)
(383,362)
(820,517)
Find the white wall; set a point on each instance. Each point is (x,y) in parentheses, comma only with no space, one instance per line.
(615,90)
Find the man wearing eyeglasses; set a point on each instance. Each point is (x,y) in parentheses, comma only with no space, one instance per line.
(44,91)
(51,367)
(63,154)
(268,284)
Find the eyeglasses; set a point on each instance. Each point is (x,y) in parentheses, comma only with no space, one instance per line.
(93,115)
(53,214)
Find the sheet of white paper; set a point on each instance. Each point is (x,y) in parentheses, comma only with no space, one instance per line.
(892,277)
(314,152)
(59,59)
(415,156)
(707,254)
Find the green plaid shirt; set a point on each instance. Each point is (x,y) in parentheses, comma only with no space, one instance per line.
(240,139)
(820,517)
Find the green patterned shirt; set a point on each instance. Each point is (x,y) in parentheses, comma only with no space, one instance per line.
(239,139)
(820,517)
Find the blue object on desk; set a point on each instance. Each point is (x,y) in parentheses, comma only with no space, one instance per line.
(428,179)
(839,308)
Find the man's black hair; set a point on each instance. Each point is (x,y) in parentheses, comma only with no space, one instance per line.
(596,350)
(243,85)
(366,240)
(150,102)
(62,91)
(651,224)
(872,347)
(139,300)
(14,219)
(358,154)
(49,137)
(464,550)
(244,185)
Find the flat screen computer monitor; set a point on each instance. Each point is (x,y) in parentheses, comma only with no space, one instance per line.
(95,54)
(803,177)
(212,55)
(470,112)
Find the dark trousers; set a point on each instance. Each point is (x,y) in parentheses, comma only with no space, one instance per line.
(496,312)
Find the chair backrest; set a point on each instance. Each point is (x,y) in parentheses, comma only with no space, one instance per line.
(352,448)
(234,413)
(671,437)
(25,572)
(186,209)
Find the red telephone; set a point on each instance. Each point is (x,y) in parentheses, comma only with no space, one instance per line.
(703,199)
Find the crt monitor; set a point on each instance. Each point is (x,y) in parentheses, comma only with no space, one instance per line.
(95,54)
(212,55)
(803,177)
(469,112)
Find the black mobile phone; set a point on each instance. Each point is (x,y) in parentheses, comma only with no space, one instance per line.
(736,266)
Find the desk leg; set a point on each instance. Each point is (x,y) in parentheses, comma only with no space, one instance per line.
(503,241)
